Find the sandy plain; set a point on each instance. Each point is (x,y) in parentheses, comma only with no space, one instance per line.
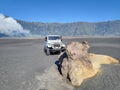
(24,65)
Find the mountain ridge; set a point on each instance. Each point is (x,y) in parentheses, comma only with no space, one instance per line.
(108,28)
(10,27)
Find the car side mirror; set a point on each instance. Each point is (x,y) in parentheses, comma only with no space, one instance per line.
(45,38)
(61,38)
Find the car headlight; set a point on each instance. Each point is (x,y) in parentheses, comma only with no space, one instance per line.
(49,45)
(63,45)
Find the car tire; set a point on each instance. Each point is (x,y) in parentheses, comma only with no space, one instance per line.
(47,52)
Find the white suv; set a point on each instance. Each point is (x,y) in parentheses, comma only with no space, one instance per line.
(53,43)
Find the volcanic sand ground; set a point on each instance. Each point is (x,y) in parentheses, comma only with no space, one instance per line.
(24,66)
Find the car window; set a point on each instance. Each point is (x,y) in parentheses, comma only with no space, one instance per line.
(54,38)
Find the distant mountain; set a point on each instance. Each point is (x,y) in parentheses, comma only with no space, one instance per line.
(109,28)
(10,27)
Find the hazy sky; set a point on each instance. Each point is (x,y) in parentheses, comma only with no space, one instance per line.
(61,10)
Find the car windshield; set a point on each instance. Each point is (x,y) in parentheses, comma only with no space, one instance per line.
(54,37)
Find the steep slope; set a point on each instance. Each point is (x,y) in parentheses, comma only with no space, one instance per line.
(109,28)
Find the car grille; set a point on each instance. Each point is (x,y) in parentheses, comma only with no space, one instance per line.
(56,45)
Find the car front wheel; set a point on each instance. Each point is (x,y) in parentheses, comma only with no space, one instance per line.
(47,52)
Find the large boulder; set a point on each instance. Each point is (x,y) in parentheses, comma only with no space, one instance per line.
(77,64)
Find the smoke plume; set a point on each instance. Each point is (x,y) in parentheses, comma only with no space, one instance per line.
(10,27)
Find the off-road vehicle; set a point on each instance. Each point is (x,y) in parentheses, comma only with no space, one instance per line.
(53,43)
